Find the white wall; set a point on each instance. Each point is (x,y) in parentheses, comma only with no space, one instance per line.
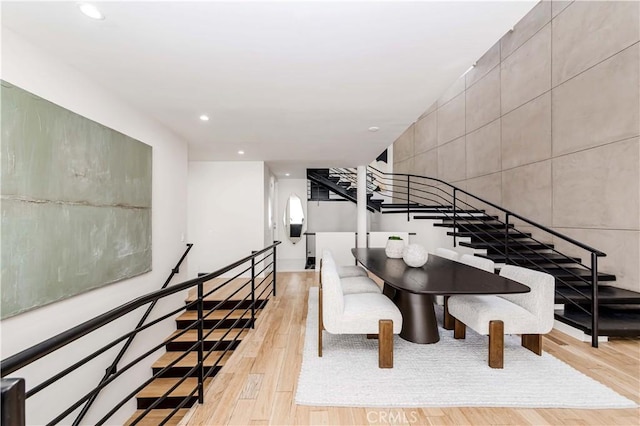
(426,234)
(226,212)
(332,216)
(32,69)
(288,251)
(269,206)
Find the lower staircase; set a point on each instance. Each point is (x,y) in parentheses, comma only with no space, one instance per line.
(494,236)
(226,323)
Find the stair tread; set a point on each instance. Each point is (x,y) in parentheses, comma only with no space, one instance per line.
(497,226)
(218,314)
(469,220)
(192,335)
(611,321)
(512,234)
(606,294)
(159,387)
(500,245)
(530,256)
(191,359)
(571,272)
(156,416)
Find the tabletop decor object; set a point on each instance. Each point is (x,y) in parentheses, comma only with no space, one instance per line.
(395,247)
(415,255)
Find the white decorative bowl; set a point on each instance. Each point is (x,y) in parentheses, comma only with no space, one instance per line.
(394,249)
(415,255)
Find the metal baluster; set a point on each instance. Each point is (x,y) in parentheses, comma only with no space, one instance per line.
(200,343)
(253,290)
(455,229)
(274,270)
(506,239)
(408,197)
(594,300)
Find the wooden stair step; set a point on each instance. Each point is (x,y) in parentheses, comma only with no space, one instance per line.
(215,360)
(155,417)
(185,341)
(158,387)
(190,359)
(236,318)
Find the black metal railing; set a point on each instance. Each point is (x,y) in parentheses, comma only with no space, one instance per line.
(471,214)
(113,368)
(242,295)
(493,227)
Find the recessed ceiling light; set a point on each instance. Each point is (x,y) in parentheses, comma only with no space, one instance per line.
(91,11)
(374,129)
(241,152)
(287,174)
(204,117)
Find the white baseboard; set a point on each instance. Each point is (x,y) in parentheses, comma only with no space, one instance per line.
(575,333)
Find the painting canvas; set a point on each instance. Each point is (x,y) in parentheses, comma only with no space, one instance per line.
(75,206)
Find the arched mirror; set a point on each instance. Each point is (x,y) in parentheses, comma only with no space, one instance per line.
(293,218)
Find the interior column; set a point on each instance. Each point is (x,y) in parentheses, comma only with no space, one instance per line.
(362,206)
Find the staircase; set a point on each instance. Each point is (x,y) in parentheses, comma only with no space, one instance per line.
(226,323)
(610,310)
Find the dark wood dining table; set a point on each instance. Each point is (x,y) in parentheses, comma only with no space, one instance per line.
(413,289)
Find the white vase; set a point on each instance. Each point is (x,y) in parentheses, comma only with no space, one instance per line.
(394,249)
(415,255)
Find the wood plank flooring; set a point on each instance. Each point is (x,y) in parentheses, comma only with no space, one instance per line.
(257,385)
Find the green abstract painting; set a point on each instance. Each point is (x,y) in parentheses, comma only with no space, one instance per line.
(75,206)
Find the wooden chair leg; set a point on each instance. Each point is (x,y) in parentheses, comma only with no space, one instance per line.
(459,329)
(320,324)
(385,344)
(448,322)
(496,344)
(372,336)
(533,342)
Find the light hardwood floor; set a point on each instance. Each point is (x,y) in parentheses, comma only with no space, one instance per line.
(257,385)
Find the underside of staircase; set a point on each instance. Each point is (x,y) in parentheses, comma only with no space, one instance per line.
(231,320)
(618,309)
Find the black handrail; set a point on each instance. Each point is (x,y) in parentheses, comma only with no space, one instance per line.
(114,365)
(38,351)
(29,355)
(529,221)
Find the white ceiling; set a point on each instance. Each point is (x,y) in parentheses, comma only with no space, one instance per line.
(296,84)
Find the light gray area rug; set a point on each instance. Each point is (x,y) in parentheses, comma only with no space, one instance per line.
(450,373)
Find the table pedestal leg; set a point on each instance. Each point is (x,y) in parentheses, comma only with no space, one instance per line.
(419,323)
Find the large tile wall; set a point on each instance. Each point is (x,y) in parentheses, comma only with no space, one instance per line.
(547,124)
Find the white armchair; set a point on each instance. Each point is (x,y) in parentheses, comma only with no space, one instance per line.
(359,313)
(447,322)
(478,262)
(529,314)
(346,271)
(447,253)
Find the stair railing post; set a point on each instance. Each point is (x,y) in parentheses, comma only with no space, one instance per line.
(274,271)
(506,239)
(253,290)
(455,229)
(408,197)
(200,343)
(13,402)
(594,300)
